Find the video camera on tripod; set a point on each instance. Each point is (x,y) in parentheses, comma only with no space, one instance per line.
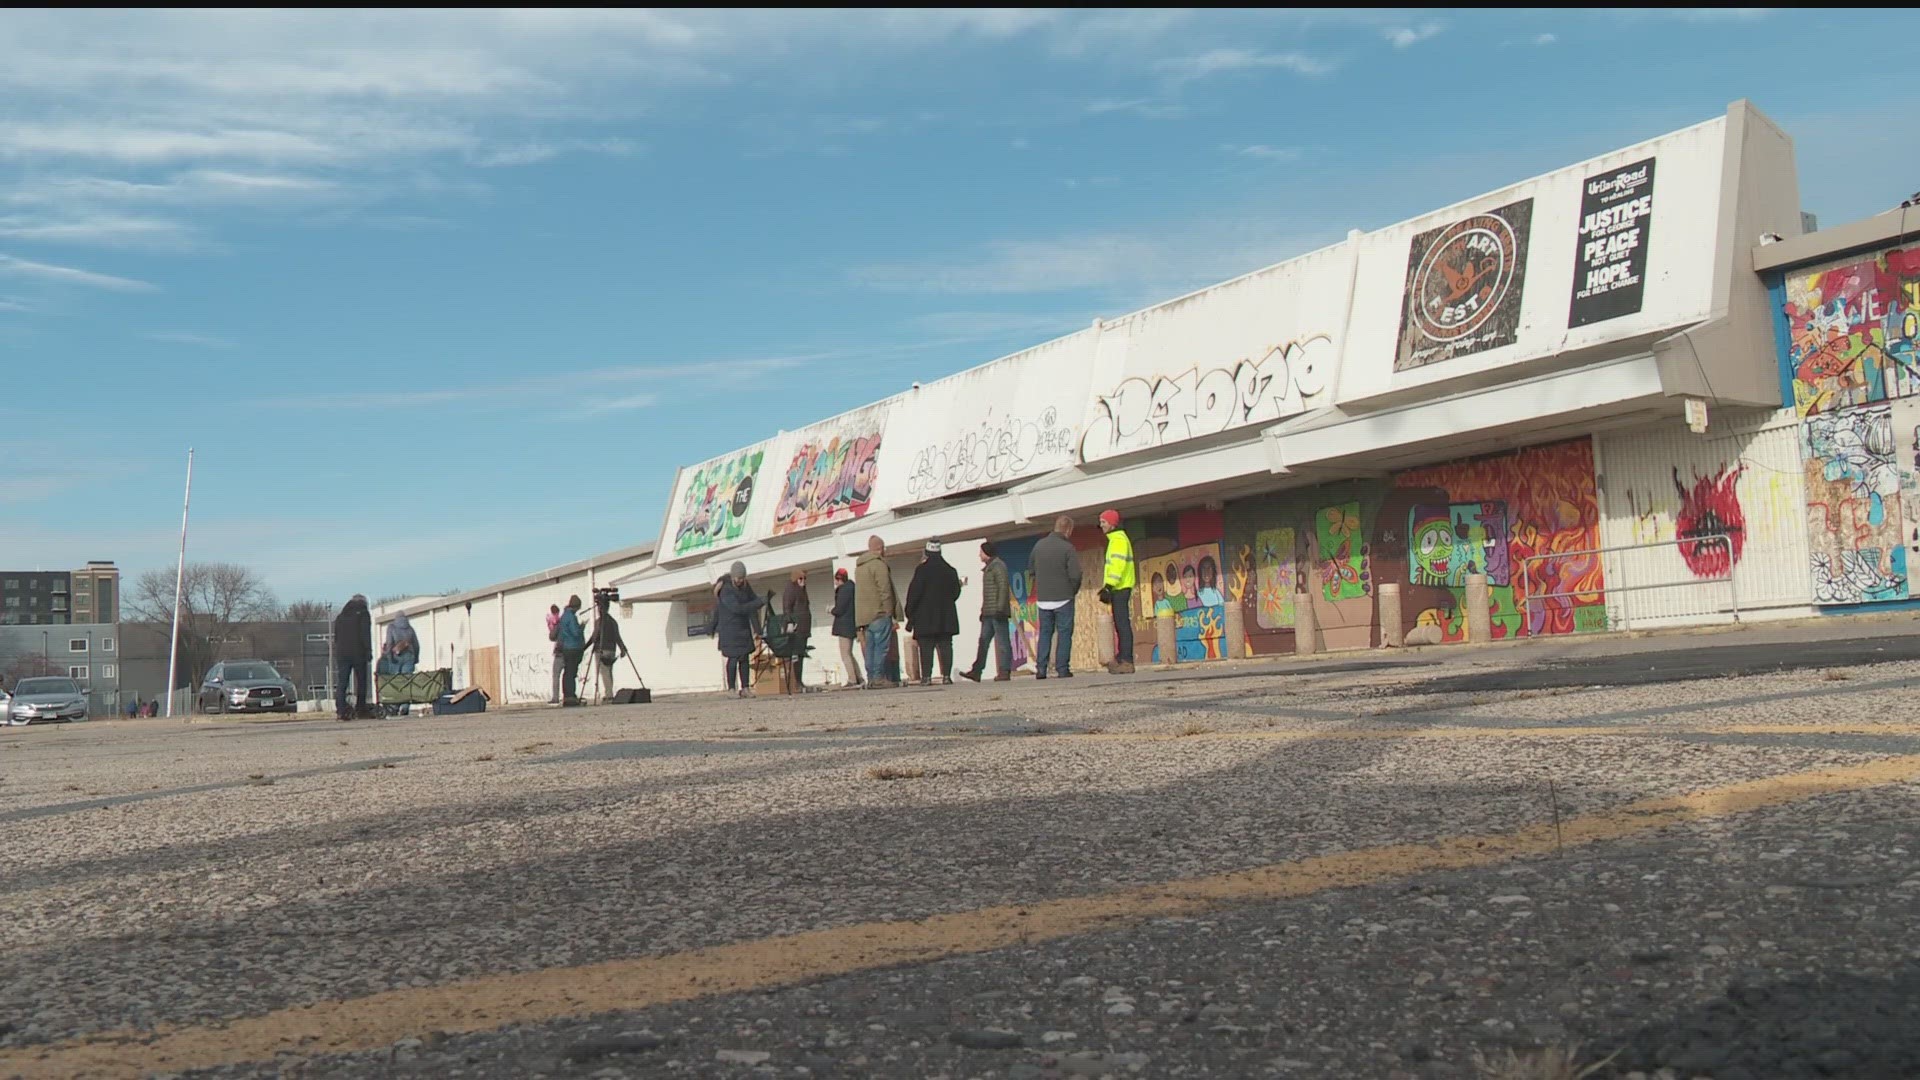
(606,597)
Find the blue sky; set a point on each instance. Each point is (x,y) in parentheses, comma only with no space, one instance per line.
(442,298)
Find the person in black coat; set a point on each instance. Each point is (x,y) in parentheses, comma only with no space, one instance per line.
(844,628)
(352,653)
(933,617)
(737,625)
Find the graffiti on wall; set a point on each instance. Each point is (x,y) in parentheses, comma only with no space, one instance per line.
(1854,513)
(1551,517)
(998,450)
(1346,570)
(1185,585)
(1146,412)
(714,508)
(1464,282)
(1710,525)
(1446,543)
(828,480)
(1852,331)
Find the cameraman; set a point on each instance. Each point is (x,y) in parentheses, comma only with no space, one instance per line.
(605,644)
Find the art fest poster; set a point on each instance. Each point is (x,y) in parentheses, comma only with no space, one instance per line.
(1610,263)
(1464,283)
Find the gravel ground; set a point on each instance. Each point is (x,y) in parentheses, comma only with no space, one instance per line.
(159,873)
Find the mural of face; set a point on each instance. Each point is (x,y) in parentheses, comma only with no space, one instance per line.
(1190,585)
(1209,573)
(1159,588)
(1432,547)
(1711,527)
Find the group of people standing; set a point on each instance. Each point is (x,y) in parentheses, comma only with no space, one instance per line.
(572,643)
(868,611)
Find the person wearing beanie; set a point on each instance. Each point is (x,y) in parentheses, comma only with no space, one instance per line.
(844,627)
(737,626)
(996,618)
(1117,590)
(932,615)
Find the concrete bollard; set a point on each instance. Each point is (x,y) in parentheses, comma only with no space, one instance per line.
(1479,609)
(1236,643)
(1165,631)
(1393,632)
(1306,628)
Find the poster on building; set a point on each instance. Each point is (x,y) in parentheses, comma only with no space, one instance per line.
(1464,282)
(1610,262)
(829,479)
(713,501)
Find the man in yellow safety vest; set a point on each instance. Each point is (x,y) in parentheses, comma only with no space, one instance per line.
(1117,590)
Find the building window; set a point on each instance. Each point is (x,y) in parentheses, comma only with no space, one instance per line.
(59,603)
(76,671)
(78,644)
(33,601)
(283,665)
(13,583)
(106,644)
(108,671)
(13,601)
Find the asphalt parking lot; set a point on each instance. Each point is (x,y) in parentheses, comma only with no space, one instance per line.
(1688,857)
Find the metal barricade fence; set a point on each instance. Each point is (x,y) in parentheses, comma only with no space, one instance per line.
(1625,586)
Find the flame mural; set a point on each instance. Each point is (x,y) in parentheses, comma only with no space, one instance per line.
(1711,527)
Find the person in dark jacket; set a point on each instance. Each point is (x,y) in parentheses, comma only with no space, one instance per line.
(797,610)
(1056,581)
(844,627)
(605,645)
(572,640)
(996,618)
(737,625)
(352,654)
(932,618)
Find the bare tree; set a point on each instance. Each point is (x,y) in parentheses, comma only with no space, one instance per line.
(213,598)
(27,666)
(309,611)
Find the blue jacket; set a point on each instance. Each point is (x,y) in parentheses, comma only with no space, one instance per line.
(571,636)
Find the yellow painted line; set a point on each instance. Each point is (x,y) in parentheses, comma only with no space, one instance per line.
(377,1021)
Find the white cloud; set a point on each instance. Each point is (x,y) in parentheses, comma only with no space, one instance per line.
(1404,37)
(1544,39)
(1146,108)
(193,187)
(1267,153)
(536,153)
(622,404)
(560,389)
(105,229)
(16,304)
(1221,61)
(67,275)
(188,337)
(1700,15)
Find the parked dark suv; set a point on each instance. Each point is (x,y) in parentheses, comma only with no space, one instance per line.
(244,686)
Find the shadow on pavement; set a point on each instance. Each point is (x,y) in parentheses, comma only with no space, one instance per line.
(1825,1025)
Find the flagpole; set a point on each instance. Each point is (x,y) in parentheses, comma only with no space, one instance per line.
(179,580)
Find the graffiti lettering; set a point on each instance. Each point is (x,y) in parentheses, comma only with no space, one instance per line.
(997,451)
(1142,413)
(827,482)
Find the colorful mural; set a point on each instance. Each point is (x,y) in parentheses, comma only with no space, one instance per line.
(1547,501)
(828,481)
(1185,584)
(1854,515)
(1446,543)
(1018,555)
(1276,577)
(1345,570)
(1851,332)
(713,510)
